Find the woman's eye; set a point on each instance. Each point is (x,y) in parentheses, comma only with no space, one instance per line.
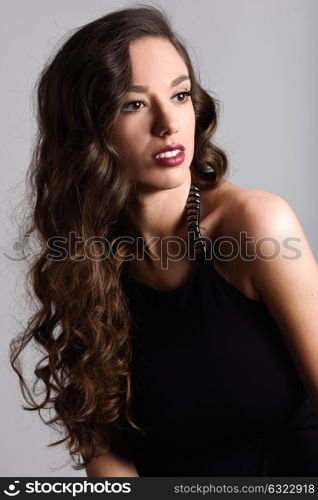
(187,94)
(137,105)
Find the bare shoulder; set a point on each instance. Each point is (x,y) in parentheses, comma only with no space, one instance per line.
(253,210)
(268,215)
(279,239)
(284,273)
(246,223)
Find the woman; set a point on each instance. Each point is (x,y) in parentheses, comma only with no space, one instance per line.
(177,356)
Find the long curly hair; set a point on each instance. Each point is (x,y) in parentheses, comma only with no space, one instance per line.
(78,185)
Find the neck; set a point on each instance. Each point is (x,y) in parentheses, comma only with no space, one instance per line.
(159,213)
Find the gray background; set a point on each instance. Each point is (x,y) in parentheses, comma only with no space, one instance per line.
(259,57)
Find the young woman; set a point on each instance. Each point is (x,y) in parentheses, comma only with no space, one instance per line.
(179,320)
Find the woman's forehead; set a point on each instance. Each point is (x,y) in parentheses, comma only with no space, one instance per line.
(154,60)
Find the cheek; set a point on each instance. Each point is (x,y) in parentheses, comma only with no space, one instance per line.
(189,120)
(130,143)
(131,134)
(124,138)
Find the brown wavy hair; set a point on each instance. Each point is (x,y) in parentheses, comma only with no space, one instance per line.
(78,185)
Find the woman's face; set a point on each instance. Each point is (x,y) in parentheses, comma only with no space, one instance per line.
(156,116)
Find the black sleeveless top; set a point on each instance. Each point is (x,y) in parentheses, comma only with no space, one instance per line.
(213,384)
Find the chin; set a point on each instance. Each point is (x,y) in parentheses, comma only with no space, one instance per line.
(167,178)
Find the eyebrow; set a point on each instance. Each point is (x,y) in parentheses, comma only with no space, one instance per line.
(174,83)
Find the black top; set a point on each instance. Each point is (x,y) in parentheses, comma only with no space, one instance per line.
(213,384)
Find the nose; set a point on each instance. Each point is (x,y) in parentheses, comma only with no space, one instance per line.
(165,122)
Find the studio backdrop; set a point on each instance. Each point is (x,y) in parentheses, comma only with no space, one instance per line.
(257,57)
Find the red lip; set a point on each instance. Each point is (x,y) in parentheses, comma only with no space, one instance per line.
(170,147)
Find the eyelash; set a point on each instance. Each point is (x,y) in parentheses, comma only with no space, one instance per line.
(187,93)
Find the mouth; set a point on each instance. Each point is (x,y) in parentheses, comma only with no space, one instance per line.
(172,160)
(170,156)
